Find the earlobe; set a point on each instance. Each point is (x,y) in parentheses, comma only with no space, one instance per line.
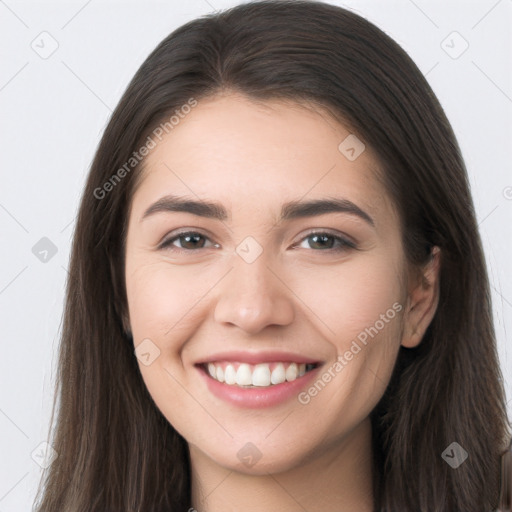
(423,299)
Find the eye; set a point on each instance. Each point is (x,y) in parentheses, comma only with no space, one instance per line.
(324,241)
(188,241)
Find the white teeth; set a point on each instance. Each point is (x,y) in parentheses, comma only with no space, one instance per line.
(291,372)
(278,374)
(230,375)
(258,375)
(244,375)
(261,375)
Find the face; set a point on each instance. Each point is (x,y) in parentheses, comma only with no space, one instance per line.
(266,297)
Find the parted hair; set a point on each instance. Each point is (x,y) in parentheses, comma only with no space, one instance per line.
(116,451)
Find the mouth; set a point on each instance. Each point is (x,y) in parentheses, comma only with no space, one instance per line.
(257,380)
(261,375)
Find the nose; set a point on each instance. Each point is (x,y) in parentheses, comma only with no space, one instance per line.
(253,296)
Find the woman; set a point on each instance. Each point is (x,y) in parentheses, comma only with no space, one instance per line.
(278,298)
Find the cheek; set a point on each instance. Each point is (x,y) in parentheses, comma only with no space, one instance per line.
(360,309)
(359,294)
(163,305)
(163,299)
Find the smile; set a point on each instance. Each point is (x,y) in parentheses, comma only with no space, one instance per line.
(256,375)
(251,379)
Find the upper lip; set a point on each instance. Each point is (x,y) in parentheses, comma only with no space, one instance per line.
(258,357)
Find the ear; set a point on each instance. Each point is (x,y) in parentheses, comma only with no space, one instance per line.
(423,298)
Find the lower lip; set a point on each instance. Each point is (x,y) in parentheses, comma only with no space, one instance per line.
(258,397)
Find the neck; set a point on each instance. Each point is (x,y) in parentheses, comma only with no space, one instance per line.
(337,478)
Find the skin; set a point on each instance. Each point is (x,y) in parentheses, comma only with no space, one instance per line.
(296,296)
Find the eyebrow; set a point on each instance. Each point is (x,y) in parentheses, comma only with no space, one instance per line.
(289,211)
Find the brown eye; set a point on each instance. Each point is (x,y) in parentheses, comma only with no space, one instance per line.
(326,241)
(321,241)
(187,241)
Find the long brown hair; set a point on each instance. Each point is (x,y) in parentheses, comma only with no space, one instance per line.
(116,451)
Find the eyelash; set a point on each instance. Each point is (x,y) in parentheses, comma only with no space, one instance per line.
(343,243)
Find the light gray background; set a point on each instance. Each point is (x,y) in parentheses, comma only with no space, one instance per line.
(54,110)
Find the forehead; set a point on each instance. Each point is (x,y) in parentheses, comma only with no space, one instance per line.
(255,155)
